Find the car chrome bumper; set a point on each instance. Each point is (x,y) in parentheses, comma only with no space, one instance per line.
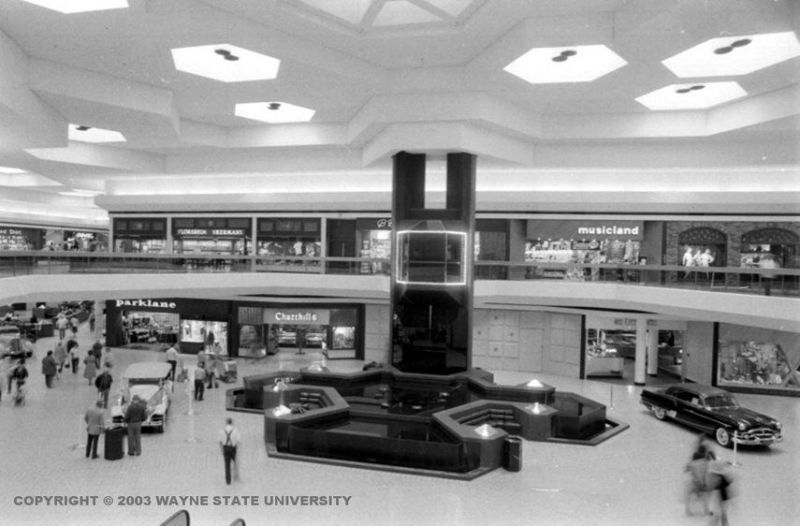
(757,441)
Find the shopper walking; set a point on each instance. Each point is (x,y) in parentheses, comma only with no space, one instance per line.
(172,360)
(61,325)
(90,367)
(134,416)
(49,369)
(72,353)
(60,355)
(199,380)
(95,424)
(74,323)
(103,383)
(229,439)
(718,483)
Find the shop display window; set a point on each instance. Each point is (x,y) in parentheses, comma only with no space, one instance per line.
(280,252)
(376,244)
(220,246)
(150,327)
(251,340)
(578,252)
(757,364)
(205,332)
(140,246)
(343,338)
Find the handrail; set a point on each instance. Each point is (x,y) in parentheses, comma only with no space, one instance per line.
(782,281)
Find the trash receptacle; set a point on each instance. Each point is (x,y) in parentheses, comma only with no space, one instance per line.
(113,444)
(512,454)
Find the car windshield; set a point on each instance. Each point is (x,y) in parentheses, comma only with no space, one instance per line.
(721,402)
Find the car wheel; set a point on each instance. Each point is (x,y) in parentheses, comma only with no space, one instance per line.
(723,437)
(659,413)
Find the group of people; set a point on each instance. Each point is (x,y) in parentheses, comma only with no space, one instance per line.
(709,483)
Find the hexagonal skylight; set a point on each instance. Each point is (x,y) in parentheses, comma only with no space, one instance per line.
(274,112)
(225,63)
(695,96)
(734,55)
(548,65)
(79,132)
(69,7)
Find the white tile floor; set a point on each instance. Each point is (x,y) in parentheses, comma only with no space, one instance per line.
(634,478)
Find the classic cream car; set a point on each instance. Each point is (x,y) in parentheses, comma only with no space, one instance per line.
(150,381)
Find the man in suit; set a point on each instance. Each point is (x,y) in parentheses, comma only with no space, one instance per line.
(95,423)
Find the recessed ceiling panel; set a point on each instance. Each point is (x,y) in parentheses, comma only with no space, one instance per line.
(734,55)
(274,112)
(549,65)
(69,7)
(398,13)
(225,63)
(83,133)
(692,96)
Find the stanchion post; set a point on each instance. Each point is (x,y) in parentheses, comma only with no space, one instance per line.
(611,397)
(735,448)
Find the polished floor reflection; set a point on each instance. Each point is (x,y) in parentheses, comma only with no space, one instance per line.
(636,478)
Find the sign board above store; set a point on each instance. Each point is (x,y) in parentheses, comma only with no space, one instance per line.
(585,229)
(297,316)
(210,232)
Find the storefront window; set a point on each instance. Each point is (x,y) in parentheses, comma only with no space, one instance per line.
(206,333)
(140,235)
(218,235)
(580,243)
(282,240)
(14,238)
(375,238)
(758,358)
(150,327)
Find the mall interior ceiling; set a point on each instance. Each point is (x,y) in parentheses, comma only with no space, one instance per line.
(570,105)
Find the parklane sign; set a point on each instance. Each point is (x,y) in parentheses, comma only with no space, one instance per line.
(147,303)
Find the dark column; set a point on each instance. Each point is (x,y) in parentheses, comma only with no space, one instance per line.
(433,271)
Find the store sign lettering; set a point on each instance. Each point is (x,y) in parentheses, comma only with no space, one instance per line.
(384,223)
(10,231)
(296,316)
(186,232)
(608,230)
(147,303)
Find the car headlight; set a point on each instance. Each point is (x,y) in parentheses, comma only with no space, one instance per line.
(777,425)
(742,426)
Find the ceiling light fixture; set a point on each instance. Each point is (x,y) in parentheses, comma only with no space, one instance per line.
(274,112)
(692,96)
(715,57)
(564,55)
(238,64)
(550,65)
(727,49)
(69,7)
(85,133)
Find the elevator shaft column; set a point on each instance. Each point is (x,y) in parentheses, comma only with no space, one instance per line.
(433,267)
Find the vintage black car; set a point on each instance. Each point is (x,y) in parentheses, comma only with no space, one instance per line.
(713,411)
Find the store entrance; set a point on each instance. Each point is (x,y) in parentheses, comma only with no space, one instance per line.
(611,354)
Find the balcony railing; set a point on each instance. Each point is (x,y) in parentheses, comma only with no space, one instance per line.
(781,282)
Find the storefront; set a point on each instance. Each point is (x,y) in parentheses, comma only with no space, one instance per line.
(778,244)
(229,236)
(758,360)
(18,238)
(582,242)
(141,235)
(85,241)
(156,323)
(282,240)
(702,247)
(374,236)
(336,330)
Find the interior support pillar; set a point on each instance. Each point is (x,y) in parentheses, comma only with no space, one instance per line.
(640,366)
(652,348)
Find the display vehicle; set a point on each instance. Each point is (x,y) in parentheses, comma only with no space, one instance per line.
(713,411)
(12,344)
(149,380)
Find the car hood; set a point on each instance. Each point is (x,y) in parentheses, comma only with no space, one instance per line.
(748,416)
